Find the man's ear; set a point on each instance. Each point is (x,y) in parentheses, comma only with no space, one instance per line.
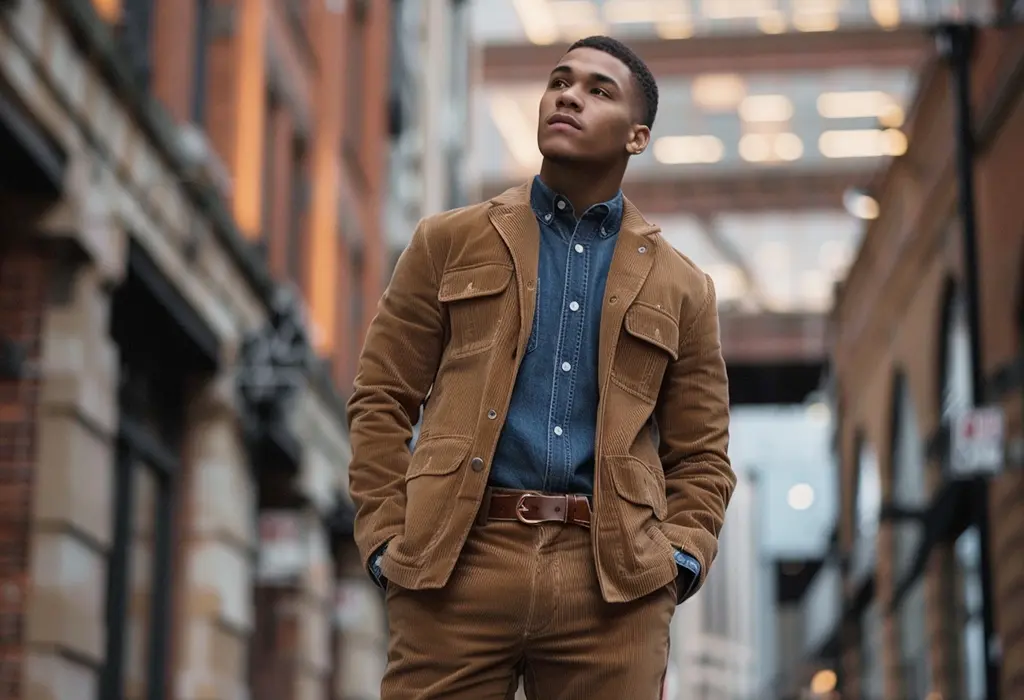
(639,137)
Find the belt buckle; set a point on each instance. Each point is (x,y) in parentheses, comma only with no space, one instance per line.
(521,511)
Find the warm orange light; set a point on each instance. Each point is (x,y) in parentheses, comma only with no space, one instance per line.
(250,114)
(824,681)
(108,10)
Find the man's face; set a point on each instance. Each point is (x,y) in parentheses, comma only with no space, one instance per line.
(590,110)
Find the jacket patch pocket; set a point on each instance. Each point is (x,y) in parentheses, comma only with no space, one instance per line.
(477,305)
(431,485)
(639,483)
(649,341)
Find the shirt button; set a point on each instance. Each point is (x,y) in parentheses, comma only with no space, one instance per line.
(566,367)
(560,205)
(558,430)
(603,232)
(547,217)
(574,305)
(492,414)
(476,464)
(578,248)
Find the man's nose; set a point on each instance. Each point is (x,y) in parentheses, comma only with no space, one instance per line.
(569,99)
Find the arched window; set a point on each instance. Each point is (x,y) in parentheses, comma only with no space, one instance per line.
(910,492)
(957,395)
(867,509)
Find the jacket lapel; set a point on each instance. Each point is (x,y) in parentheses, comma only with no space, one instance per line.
(513,218)
(631,263)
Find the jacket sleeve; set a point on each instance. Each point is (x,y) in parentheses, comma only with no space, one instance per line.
(397,366)
(692,416)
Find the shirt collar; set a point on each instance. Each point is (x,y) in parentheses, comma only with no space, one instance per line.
(548,204)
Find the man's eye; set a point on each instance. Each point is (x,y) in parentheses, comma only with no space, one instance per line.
(558,82)
(602,92)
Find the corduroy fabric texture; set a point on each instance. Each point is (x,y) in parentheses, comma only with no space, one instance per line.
(524,601)
(453,324)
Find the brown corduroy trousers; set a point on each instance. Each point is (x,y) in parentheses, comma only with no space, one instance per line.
(524,601)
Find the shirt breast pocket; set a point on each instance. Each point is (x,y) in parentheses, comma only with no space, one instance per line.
(649,341)
(476,301)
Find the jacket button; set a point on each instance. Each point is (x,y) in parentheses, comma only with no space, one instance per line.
(492,414)
(476,464)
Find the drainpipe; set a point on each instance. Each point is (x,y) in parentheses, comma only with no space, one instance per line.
(955,43)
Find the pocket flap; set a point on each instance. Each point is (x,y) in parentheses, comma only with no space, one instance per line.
(481,280)
(437,456)
(637,482)
(653,326)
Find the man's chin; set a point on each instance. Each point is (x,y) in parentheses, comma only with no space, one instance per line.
(560,153)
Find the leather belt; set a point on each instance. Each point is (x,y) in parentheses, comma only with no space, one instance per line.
(535,508)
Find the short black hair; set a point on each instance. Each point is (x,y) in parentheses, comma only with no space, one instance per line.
(641,73)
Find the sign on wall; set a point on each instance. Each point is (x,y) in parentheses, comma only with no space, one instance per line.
(977,441)
(284,554)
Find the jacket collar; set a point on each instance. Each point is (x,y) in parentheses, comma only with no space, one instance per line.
(632,220)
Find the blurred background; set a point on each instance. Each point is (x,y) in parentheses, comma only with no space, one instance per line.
(201,202)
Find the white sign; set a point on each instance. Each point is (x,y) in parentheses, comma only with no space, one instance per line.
(977,441)
(353,603)
(284,555)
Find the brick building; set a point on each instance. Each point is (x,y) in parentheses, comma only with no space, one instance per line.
(191,245)
(925,612)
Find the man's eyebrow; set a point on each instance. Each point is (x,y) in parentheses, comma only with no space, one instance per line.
(596,77)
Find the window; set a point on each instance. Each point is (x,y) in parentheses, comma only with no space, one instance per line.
(136,37)
(197,108)
(910,492)
(969,613)
(872,668)
(139,577)
(957,395)
(355,66)
(356,299)
(296,248)
(867,509)
(269,183)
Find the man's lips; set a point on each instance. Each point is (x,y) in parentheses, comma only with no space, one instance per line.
(565,120)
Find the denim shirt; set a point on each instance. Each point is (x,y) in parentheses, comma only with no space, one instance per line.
(547,442)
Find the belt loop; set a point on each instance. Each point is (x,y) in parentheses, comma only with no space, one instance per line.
(484,513)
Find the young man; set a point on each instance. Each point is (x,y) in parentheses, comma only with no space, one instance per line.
(570,479)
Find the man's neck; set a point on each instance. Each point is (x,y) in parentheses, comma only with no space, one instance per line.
(583,186)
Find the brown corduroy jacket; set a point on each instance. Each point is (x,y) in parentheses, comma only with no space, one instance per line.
(450,330)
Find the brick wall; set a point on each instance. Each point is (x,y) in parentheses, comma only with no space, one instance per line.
(23,288)
(889,321)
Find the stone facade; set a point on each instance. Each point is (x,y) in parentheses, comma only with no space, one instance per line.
(890,326)
(62,260)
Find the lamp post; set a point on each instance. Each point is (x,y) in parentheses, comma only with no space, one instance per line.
(955,42)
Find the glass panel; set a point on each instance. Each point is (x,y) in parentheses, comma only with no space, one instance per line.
(914,643)
(872,671)
(868,509)
(140,584)
(969,613)
(958,385)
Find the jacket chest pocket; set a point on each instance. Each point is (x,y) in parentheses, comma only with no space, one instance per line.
(649,341)
(476,301)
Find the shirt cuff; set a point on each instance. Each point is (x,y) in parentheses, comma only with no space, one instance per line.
(375,571)
(689,573)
